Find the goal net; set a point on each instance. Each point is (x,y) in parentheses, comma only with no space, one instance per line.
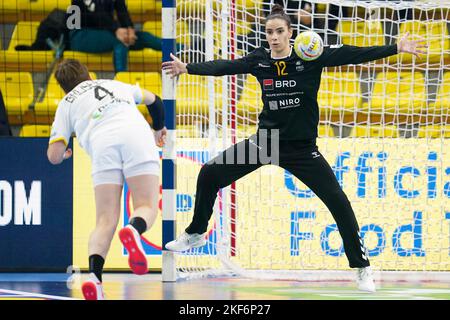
(384,129)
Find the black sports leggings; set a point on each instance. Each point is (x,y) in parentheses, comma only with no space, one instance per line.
(303,160)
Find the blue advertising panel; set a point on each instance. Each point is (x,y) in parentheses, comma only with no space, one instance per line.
(36,202)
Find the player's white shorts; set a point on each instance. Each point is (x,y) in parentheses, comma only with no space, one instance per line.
(123,153)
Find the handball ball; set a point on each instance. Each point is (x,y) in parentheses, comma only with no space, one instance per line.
(308,45)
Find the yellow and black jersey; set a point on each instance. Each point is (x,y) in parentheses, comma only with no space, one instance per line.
(289,85)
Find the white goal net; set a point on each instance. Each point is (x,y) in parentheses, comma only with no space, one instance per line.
(384,129)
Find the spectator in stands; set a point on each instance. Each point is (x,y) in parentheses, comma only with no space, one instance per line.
(101,33)
(5,129)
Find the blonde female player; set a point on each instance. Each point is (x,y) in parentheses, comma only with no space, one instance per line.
(120,143)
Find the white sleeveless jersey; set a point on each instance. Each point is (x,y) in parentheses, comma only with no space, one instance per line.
(96,107)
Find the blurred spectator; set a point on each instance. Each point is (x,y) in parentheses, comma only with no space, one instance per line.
(5,129)
(101,33)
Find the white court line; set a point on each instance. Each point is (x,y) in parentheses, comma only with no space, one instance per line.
(34,295)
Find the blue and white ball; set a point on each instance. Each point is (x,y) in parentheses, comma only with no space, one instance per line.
(308,45)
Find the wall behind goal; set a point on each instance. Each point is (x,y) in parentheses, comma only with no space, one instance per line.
(400,192)
(35,208)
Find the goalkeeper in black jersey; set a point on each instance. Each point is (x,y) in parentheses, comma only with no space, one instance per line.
(289,91)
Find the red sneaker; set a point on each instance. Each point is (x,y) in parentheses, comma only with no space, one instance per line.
(131,240)
(92,289)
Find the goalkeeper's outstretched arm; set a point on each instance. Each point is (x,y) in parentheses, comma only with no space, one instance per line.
(210,68)
(344,54)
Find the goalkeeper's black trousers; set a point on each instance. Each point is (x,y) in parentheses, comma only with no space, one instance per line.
(300,158)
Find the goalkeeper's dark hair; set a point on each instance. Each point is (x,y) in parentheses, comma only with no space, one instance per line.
(277,12)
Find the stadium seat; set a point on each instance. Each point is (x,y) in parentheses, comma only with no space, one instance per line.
(155,28)
(53,95)
(146,80)
(146,60)
(436,35)
(399,93)
(17,90)
(325,131)
(245,131)
(140,7)
(250,103)
(388,131)
(242,27)
(24,34)
(44,6)
(35,131)
(192,95)
(442,104)
(340,92)
(12,5)
(361,33)
(434,131)
(184,6)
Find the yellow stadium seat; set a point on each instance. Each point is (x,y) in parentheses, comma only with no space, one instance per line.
(340,91)
(442,104)
(400,93)
(434,131)
(182,30)
(190,6)
(53,95)
(146,59)
(388,131)
(325,131)
(250,103)
(45,6)
(17,5)
(192,95)
(154,27)
(189,131)
(361,33)
(246,131)
(24,34)
(147,80)
(243,27)
(17,90)
(35,131)
(436,35)
(142,6)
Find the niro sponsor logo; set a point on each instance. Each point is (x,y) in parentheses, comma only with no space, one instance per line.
(289,103)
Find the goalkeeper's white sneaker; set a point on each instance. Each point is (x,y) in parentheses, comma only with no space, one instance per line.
(186,241)
(364,278)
